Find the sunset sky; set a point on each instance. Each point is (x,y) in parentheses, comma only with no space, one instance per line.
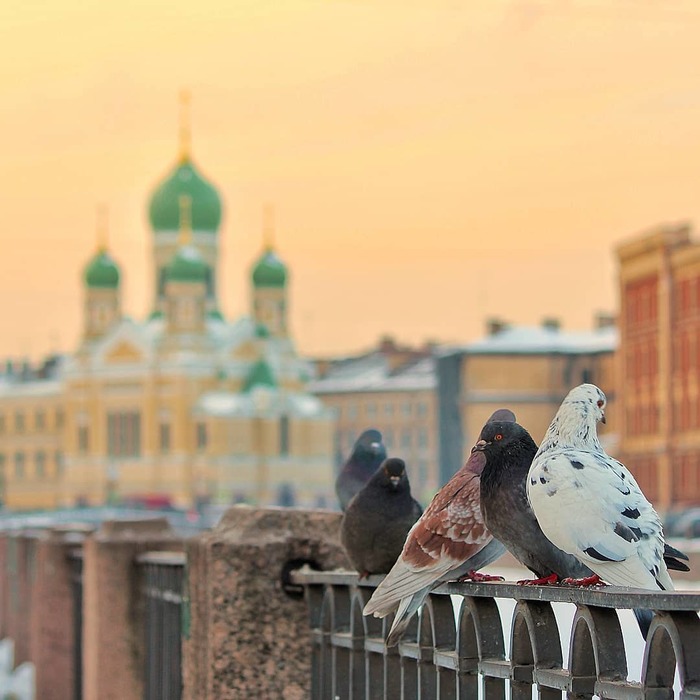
(431,162)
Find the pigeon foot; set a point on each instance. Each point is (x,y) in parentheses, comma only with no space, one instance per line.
(582,582)
(545,581)
(362,574)
(478,578)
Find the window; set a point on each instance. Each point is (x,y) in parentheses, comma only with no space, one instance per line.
(389,438)
(19,421)
(389,409)
(39,420)
(406,438)
(164,437)
(352,411)
(83,439)
(284,436)
(19,465)
(59,417)
(371,410)
(58,459)
(201,436)
(40,464)
(422,437)
(2,424)
(124,434)
(406,408)
(422,408)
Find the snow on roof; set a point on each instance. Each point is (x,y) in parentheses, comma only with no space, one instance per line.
(373,374)
(528,340)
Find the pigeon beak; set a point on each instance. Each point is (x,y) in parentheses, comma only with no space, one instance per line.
(602,420)
(480,446)
(394,480)
(375,446)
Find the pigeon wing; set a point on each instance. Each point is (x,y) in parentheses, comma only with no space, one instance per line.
(449,532)
(616,532)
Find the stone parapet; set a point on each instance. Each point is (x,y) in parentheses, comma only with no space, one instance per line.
(249,634)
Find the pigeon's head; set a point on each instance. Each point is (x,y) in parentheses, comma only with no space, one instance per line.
(498,436)
(393,472)
(504,415)
(588,401)
(371,441)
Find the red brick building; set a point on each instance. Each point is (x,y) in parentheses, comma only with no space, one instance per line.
(659,363)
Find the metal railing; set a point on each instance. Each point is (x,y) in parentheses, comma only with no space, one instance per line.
(75,560)
(163,575)
(462,655)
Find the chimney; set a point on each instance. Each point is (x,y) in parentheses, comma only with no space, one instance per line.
(494,326)
(603,319)
(551,324)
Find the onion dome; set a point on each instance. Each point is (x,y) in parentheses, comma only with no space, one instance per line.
(102,272)
(187,266)
(269,271)
(260,375)
(163,210)
(185,179)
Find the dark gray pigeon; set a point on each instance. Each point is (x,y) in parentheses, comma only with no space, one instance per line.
(378,518)
(509,452)
(367,454)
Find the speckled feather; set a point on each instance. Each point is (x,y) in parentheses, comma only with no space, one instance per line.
(589,504)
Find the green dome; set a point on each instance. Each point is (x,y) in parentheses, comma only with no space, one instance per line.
(269,271)
(164,209)
(259,375)
(102,272)
(215,314)
(262,331)
(187,266)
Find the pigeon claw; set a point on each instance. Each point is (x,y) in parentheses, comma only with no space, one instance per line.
(362,574)
(582,582)
(545,581)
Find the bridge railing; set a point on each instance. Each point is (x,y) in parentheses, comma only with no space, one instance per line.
(450,653)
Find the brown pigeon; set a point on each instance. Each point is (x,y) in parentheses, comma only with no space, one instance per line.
(448,542)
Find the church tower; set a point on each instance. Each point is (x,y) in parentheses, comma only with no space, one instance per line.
(269,277)
(164,216)
(102,295)
(185,285)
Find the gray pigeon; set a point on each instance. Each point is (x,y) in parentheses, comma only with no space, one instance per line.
(378,518)
(509,452)
(367,454)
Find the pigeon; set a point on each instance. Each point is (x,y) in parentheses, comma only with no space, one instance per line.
(378,518)
(448,542)
(509,452)
(367,454)
(589,505)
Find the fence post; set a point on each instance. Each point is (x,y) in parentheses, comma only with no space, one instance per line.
(249,638)
(113,615)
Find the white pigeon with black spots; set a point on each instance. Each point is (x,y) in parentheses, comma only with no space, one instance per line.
(589,505)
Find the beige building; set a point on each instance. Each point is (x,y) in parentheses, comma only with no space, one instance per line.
(391,389)
(526,369)
(184,407)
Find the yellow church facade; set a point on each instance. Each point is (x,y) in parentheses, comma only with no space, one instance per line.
(182,408)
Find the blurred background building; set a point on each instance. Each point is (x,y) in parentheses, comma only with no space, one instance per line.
(659,359)
(391,388)
(180,409)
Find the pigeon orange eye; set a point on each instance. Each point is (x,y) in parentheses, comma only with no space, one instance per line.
(600,403)
(499,437)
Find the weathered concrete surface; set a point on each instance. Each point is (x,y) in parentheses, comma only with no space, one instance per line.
(248,638)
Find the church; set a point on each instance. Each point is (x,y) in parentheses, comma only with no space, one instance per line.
(180,409)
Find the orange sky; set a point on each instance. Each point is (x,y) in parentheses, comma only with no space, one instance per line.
(432,162)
